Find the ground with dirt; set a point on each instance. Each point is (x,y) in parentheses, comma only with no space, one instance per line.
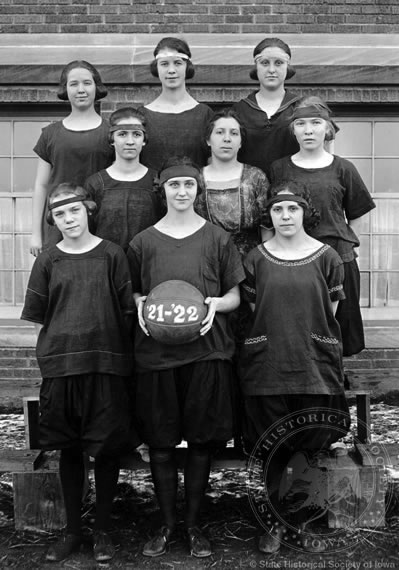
(227,519)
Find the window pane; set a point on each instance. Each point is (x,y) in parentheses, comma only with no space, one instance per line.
(6,257)
(353,139)
(5,214)
(5,287)
(5,138)
(365,223)
(26,135)
(386,175)
(23,215)
(364,167)
(23,259)
(386,139)
(5,175)
(386,289)
(24,174)
(365,289)
(385,252)
(21,283)
(364,253)
(386,216)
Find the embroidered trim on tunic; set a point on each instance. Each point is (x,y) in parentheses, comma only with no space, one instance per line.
(249,289)
(293,263)
(327,339)
(336,288)
(255,339)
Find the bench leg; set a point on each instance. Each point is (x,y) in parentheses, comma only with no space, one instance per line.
(363,418)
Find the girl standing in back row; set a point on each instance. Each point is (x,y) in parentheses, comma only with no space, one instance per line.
(175,120)
(72,149)
(264,113)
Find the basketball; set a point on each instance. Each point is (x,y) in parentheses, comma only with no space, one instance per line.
(173,312)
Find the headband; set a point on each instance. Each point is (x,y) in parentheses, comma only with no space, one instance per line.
(127,127)
(177,56)
(287,198)
(178,171)
(66,201)
(310,112)
(285,57)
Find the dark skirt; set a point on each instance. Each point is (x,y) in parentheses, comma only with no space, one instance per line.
(92,411)
(193,402)
(348,313)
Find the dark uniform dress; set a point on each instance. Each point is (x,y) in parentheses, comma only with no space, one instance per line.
(340,195)
(124,208)
(268,138)
(83,350)
(73,156)
(175,134)
(186,391)
(291,360)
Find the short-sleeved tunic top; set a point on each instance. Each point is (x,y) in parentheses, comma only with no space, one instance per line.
(237,206)
(208,260)
(268,138)
(73,156)
(293,345)
(81,300)
(175,134)
(338,192)
(124,208)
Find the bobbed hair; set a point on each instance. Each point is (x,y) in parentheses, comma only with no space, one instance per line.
(178,45)
(227,113)
(176,161)
(315,101)
(311,216)
(101,90)
(126,113)
(271,42)
(66,189)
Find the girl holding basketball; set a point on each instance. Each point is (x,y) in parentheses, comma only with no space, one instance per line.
(340,195)
(71,149)
(185,391)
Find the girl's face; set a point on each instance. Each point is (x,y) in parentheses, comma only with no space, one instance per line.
(71,219)
(287,217)
(81,88)
(271,65)
(128,143)
(225,139)
(180,193)
(310,132)
(171,68)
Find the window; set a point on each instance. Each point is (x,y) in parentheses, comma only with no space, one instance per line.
(371,144)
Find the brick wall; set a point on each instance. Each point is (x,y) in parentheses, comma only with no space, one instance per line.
(199,16)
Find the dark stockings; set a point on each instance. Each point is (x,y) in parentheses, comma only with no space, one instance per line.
(196,476)
(72,474)
(164,476)
(106,473)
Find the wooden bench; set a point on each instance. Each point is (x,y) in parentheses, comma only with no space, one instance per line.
(38,501)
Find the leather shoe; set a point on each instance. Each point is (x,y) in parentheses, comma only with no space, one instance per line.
(270,542)
(157,545)
(198,544)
